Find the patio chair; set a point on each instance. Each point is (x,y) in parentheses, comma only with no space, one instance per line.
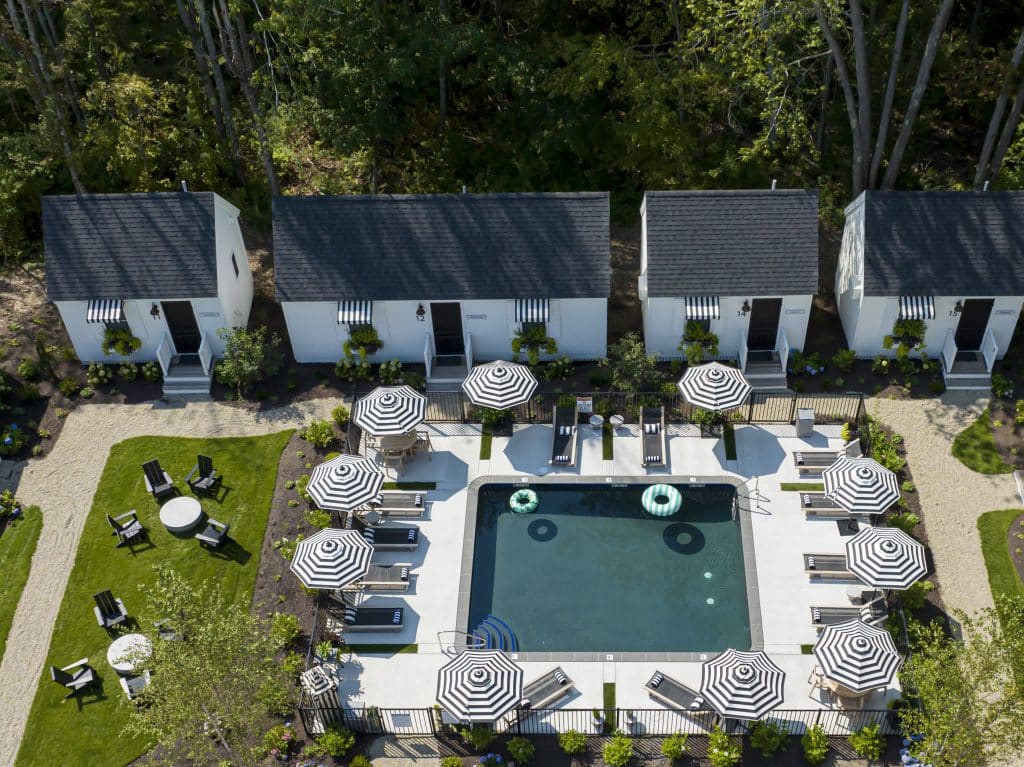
(401,503)
(395,577)
(547,689)
(820,505)
(815,461)
(652,433)
(563,444)
(158,481)
(674,693)
(827,566)
(404,538)
(109,610)
(126,527)
(875,613)
(369,618)
(76,677)
(203,478)
(214,535)
(133,685)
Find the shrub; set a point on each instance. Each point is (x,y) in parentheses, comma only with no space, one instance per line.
(249,357)
(294,664)
(68,386)
(451,761)
(815,743)
(9,505)
(284,629)
(98,374)
(618,751)
(350,368)
(768,736)
(300,488)
(390,372)
(335,741)
(491,417)
(319,434)
(598,379)
(561,368)
(937,386)
(414,379)
(317,518)
(722,751)
(362,338)
(1002,386)
(843,360)
(340,415)
(28,369)
(278,739)
(120,341)
(868,743)
(520,749)
(360,761)
(632,368)
(128,371)
(881,365)
(572,742)
(674,746)
(86,392)
(885,448)
(479,736)
(150,372)
(914,597)
(905,521)
(907,486)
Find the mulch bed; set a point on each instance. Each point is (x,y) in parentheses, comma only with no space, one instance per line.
(1008,436)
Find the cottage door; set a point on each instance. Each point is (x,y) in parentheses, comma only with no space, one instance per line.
(764,324)
(970,330)
(447,320)
(182,325)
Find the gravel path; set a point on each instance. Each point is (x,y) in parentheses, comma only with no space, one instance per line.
(63,484)
(952,496)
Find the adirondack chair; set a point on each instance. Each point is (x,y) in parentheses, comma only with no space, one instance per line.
(109,610)
(76,677)
(126,527)
(203,478)
(214,535)
(158,481)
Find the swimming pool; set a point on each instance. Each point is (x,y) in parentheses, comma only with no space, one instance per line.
(589,571)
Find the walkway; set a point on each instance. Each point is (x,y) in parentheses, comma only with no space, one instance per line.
(63,484)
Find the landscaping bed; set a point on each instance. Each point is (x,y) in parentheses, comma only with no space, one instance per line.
(1002,544)
(991,445)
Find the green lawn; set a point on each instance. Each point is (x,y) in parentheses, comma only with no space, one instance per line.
(17,545)
(88,731)
(993,527)
(802,487)
(976,449)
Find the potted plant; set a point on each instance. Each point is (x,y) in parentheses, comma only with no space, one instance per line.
(118,340)
(709,421)
(325,651)
(533,337)
(699,343)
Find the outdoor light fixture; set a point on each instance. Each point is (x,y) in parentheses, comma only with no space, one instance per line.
(421,313)
(959,307)
(154,311)
(745,309)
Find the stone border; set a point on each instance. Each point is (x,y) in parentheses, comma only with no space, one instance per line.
(746,539)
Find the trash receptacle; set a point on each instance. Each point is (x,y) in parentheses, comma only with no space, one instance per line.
(804,422)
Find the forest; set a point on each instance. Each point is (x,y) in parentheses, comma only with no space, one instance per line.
(253,98)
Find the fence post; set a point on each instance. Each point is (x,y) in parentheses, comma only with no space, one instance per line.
(792,409)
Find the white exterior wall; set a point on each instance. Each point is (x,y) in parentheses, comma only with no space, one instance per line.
(850,275)
(235,292)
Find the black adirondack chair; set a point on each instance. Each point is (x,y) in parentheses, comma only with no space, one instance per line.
(214,535)
(109,610)
(76,677)
(126,527)
(158,481)
(203,478)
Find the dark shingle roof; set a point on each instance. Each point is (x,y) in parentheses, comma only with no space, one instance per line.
(944,243)
(407,247)
(759,242)
(117,246)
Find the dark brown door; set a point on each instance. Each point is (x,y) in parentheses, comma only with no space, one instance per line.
(181,322)
(970,330)
(764,323)
(447,319)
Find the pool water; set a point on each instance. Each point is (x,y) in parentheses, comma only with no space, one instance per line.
(591,571)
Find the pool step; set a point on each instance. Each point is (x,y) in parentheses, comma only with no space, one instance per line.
(496,635)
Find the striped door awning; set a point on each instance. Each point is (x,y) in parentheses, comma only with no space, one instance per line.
(702,308)
(532,309)
(355,312)
(105,311)
(917,308)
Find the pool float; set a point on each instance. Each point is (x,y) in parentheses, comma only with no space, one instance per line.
(661,500)
(523,501)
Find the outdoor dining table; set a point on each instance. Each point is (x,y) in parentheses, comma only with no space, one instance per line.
(398,444)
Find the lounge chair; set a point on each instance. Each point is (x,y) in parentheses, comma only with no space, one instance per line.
(547,689)
(397,538)
(816,461)
(158,481)
(652,433)
(109,610)
(214,535)
(386,577)
(401,503)
(827,566)
(126,527)
(133,685)
(820,505)
(674,693)
(369,618)
(563,445)
(76,677)
(875,613)
(203,478)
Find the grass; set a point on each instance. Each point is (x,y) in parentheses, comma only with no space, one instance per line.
(803,487)
(90,728)
(729,434)
(383,649)
(485,443)
(410,486)
(607,442)
(608,691)
(993,528)
(17,544)
(976,449)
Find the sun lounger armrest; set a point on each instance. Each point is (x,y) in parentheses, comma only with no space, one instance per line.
(76,664)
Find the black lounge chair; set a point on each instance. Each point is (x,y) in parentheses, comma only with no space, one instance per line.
(563,444)
(820,505)
(109,610)
(546,690)
(133,685)
(203,478)
(828,566)
(874,613)
(652,434)
(126,527)
(370,618)
(214,534)
(816,461)
(76,677)
(386,577)
(675,694)
(405,538)
(401,503)
(158,481)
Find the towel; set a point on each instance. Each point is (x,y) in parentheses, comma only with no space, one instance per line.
(525,703)
(350,615)
(653,459)
(561,459)
(565,431)
(397,617)
(799,458)
(698,702)
(651,428)
(656,680)
(816,615)
(810,563)
(368,534)
(404,574)
(413,532)
(560,677)
(807,500)
(418,500)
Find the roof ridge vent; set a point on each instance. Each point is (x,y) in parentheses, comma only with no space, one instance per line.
(985,188)
(775,182)
(184,185)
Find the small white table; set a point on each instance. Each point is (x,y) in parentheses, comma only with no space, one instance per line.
(616,421)
(181,514)
(596,421)
(125,652)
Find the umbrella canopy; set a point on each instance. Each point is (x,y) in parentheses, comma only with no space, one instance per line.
(885,558)
(714,386)
(861,485)
(330,558)
(742,685)
(857,656)
(390,411)
(499,385)
(345,482)
(480,685)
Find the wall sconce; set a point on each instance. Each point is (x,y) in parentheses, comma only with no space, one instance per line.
(154,312)
(745,309)
(958,308)
(421,313)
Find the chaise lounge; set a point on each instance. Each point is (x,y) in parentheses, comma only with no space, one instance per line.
(816,461)
(386,577)
(820,505)
(675,694)
(547,689)
(874,613)
(369,618)
(397,538)
(831,566)
(401,503)
(563,443)
(652,433)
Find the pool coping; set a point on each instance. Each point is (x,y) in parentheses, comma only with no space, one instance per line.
(746,539)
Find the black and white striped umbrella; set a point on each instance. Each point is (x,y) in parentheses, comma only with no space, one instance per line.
(331,558)
(857,656)
(480,686)
(861,485)
(390,411)
(499,385)
(886,558)
(742,685)
(714,386)
(345,482)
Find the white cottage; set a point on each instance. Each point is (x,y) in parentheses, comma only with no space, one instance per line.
(741,264)
(171,268)
(952,259)
(445,280)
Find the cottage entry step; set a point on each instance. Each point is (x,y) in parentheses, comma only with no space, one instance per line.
(764,371)
(186,377)
(447,371)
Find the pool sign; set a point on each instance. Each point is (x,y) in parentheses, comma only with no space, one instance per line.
(585,404)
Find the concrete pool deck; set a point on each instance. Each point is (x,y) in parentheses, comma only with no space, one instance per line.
(781,534)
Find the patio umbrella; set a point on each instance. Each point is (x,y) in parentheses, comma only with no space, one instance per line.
(331,558)
(714,386)
(480,685)
(861,485)
(345,482)
(499,385)
(857,656)
(390,411)
(742,685)
(885,558)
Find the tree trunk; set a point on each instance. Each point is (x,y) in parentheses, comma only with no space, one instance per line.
(202,65)
(826,88)
(212,55)
(1009,129)
(860,58)
(890,94)
(94,42)
(994,124)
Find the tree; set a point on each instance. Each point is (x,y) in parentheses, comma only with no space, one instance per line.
(249,357)
(632,368)
(992,155)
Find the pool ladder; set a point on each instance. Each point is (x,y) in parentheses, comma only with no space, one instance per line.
(495,634)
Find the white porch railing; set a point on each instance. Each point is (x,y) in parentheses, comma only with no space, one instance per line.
(989,348)
(782,347)
(206,355)
(948,352)
(743,349)
(428,353)
(468,343)
(164,354)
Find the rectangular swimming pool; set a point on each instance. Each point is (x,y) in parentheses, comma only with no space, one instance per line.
(590,571)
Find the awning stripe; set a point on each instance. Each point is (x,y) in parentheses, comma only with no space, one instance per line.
(917,308)
(355,312)
(105,311)
(702,308)
(532,309)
